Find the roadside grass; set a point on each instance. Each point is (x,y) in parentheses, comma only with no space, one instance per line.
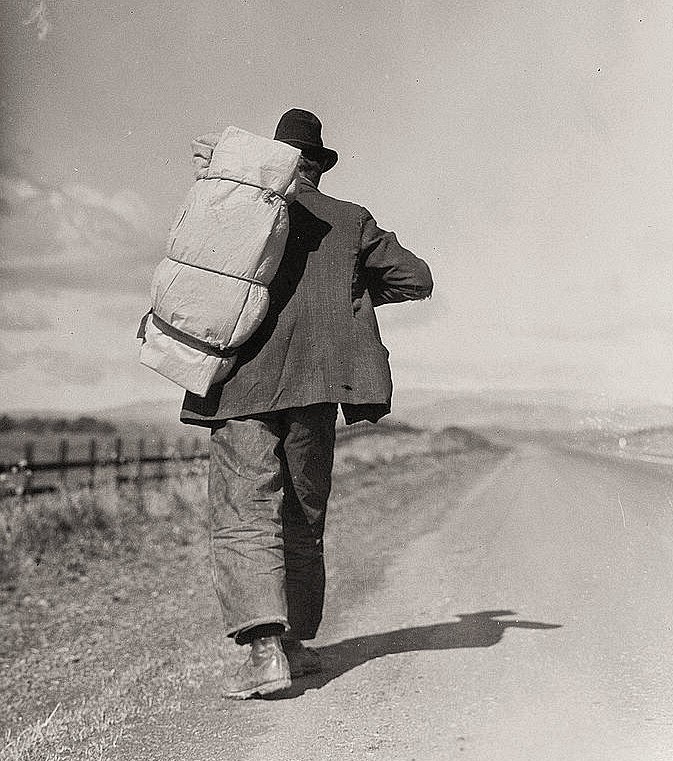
(111,619)
(108,521)
(92,728)
(92,522)
(101,522)
(70,565)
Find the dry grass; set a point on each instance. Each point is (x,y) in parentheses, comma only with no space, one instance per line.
(107,521)
(93,727)
(111,619)
(74,567)
(102,522)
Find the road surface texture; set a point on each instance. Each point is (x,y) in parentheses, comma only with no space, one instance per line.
(535,622)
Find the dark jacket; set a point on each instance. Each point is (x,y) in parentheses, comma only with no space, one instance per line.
(320,340)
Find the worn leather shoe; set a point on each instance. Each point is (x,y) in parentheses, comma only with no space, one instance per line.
(303,660)
(266,670)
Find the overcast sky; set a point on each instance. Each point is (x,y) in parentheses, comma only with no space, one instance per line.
(525,149)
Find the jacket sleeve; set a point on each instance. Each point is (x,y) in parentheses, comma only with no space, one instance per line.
(392,273)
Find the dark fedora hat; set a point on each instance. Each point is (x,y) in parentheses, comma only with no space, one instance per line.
(302,129)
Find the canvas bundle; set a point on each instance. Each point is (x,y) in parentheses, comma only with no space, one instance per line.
(210,292)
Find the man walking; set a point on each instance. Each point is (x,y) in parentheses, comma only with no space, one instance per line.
(273,419)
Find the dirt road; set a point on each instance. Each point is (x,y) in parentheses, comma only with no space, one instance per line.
(535,622)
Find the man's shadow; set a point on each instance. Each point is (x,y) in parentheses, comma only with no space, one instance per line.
(481,629)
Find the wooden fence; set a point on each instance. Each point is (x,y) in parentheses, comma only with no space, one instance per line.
(121,462)
(129,462)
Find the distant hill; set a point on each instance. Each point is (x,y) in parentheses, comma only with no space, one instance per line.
(38,425)
(151,419)
(578,419)
(438,408)
(526,410)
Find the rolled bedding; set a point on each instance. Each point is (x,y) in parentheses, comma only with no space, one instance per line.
(210,292)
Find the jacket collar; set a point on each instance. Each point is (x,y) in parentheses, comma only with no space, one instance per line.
(305,185)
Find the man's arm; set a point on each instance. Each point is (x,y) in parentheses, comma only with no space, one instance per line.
(392,272)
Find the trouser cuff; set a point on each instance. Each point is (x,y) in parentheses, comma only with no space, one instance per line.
(244,634)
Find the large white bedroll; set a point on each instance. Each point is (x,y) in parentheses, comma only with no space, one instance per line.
(210,292)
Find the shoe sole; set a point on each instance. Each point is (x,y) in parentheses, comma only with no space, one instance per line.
(261,689)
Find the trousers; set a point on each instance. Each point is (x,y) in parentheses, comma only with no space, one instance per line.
(269,482)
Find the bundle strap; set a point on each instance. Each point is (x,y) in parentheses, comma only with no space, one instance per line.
(195,343)
(269,191)
(216,272)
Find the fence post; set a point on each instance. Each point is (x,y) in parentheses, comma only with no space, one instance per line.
(63,449)
(27,466)
(141,457)
(139,477)
(161,465)
(119,458)
(93,457)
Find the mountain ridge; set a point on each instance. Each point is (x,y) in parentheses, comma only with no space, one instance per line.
(430,407)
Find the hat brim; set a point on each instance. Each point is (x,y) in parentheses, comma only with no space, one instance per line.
(330,158)
(326,156)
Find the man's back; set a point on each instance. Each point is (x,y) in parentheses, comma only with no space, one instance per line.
(319,341)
